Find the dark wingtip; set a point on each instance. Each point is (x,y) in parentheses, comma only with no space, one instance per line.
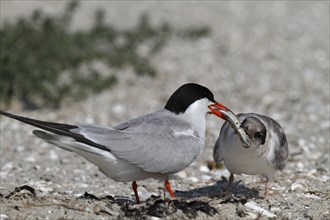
(43,135)
(38,133)
(56,128)
(9,115)
(5,113)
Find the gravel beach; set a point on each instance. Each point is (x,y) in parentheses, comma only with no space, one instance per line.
(270,58)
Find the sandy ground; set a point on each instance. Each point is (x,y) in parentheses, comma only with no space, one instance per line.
(271,58)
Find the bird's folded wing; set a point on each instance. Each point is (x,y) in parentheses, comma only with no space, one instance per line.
(282,149)
(161,152)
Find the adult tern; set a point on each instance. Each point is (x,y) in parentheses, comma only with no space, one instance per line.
(155,145)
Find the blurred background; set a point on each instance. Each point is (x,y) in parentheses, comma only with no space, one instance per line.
(125,59)
(105,62)
(57,52)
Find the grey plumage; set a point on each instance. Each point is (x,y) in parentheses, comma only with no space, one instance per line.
(148,134)
(138,141)
(151,146)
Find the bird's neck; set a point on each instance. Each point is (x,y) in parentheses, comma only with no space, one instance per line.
(199,126)
(197,120)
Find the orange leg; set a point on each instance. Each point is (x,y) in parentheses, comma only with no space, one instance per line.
(134,187)
(168,188)
(229,185)
(230,181)
(267,186)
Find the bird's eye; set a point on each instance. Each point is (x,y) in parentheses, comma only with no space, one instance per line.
(259,135)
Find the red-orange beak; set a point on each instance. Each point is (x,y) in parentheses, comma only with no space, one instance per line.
(220,110)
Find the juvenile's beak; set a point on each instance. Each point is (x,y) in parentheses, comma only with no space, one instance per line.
(220,110)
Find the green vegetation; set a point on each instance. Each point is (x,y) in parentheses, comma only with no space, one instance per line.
(41,60)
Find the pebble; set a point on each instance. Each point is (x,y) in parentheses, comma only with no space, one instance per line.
(68,192)
(4,217)
(298,186)
(3,174)
(193,179)
(182,174)
(82,185)
(45,189)
(300,166)
(53,155)
(77,195)
(325,178)
(20,148)
(311,196)
(8,166)
(301,142)
(30,159)
(259,209)
(222,172)
(119,109)
(206,177)
(312,172)
(204,169)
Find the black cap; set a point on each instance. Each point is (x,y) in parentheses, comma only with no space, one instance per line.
(187,94)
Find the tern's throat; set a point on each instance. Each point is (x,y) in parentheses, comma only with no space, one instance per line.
(195,115)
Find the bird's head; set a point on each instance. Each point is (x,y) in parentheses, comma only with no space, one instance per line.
(195,99)
(255,129)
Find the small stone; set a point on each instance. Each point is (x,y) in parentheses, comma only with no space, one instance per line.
(4,217)
(82,185)
(182,174)
(53,155)
(8,166)
(222,172)
(298,186)
(206,177)
(311,196)
(300,165)
(30,159)
(204,169)
(301,142)
(119,109)
(193,179)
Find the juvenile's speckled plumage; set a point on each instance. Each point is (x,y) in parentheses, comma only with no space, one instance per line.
(268,151)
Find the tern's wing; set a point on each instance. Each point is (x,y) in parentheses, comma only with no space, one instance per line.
(281,148)
(156,143)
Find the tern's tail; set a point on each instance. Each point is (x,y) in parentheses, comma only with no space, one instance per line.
(56,128)
(67,143)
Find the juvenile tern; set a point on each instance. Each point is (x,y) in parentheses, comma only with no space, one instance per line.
(155,145)
(268,151)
